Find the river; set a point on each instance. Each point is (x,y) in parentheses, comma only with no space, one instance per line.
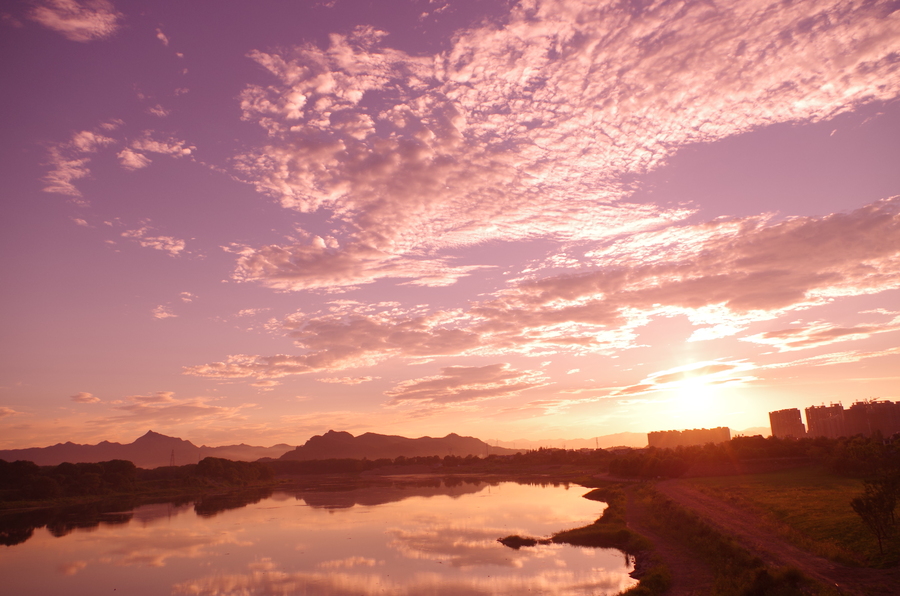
(426,538)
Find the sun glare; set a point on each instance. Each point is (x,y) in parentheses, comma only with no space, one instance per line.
(695,397)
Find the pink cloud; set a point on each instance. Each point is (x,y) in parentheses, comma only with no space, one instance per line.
(157,398)
(88,20)
(516,107)
(68,161)
(134,156)
(299,267)
(833,358)
(345,338)
(168,244)
(163,408)
(466,383)
(83,397)
(694,375)
(163,312)
(748,270)
(132,160)
(346,380)
(755,268)
(819,334)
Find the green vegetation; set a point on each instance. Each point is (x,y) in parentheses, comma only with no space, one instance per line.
(808,506)
(877,504)
(736,571)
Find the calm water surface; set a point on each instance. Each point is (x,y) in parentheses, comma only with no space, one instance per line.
(398,540)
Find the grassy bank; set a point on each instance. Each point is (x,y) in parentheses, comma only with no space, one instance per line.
(809,507)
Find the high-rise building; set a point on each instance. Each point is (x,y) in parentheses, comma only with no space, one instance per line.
(866,417)
(787,423)
(862,418)
(825,421)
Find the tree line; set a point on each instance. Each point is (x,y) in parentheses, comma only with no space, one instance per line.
(26,481)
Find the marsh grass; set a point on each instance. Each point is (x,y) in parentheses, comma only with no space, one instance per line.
(809,507)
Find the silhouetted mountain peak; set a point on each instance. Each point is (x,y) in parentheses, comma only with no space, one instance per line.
(149,435)
(338,445)
(154,438)
(334,437)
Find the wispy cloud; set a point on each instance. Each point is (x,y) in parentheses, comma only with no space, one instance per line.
(163,312)
(69,160)
(132,160)
(266,385)
(164,408)
(4,412)
(346,380)
(83,21)
(845,357)
(83,397)
(134,157)
(457,384)
(819,334)
(168,244)
(696,374)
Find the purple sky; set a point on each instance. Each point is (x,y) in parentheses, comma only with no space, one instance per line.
(254,222)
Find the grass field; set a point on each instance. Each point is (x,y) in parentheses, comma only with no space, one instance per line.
(809,507)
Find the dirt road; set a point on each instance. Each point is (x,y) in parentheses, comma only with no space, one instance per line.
(690,577)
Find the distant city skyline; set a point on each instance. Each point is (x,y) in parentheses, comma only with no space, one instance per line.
(507,220)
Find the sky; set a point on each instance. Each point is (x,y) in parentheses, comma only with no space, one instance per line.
(257,221)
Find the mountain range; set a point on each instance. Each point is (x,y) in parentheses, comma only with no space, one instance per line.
(343,445)
(152,450)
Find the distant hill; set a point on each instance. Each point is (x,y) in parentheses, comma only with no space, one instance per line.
(343,445)
(626,439)
(152,450)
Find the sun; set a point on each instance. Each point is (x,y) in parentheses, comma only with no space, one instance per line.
(695,397)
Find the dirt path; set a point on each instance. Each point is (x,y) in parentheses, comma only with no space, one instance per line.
(690,577)
(754,535)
